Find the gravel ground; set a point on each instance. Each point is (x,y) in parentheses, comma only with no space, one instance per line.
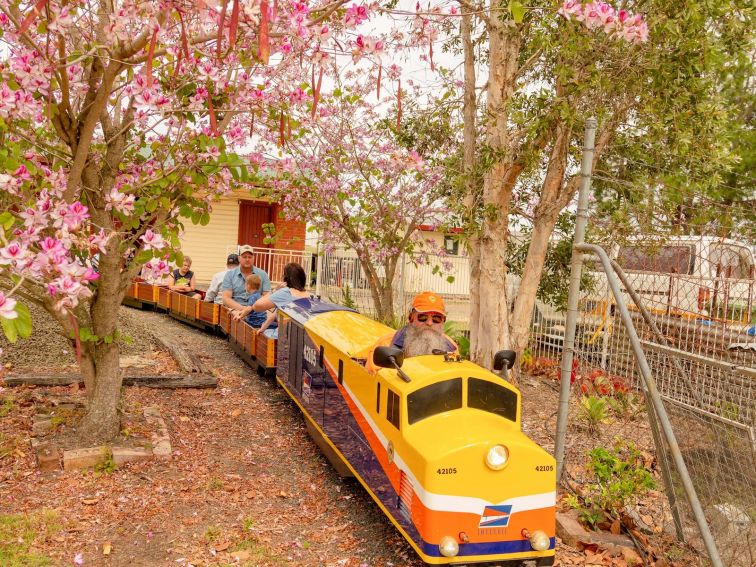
(48,348)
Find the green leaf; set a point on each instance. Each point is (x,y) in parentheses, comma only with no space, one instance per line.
(517,10)
(23,321)
(7,220)
(144,256)
(9,328)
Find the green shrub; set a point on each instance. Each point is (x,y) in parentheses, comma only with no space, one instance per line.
(594,410)
(620,477)
(346,297)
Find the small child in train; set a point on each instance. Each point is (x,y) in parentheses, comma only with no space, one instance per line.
(254,318)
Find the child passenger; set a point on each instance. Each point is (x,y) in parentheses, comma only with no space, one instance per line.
(254,318)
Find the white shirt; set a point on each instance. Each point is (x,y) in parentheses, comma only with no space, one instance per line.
(213,290)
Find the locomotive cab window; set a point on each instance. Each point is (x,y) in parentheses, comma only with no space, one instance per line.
(434,399)
(492,397)
(392,407)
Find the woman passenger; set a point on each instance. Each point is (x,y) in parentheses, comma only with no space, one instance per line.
(182,279)
(295,279)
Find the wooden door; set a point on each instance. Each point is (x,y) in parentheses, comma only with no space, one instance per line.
(252,215)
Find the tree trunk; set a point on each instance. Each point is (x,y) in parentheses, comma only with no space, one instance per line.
(492,330)
(101,422)
(381,292)
(555,195)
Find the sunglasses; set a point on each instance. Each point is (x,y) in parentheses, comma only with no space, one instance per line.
(437,318)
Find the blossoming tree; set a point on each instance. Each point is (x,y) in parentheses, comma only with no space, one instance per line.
(117,119)
(360,189)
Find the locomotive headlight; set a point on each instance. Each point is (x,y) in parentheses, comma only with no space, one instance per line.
(539,541)
(497,457)
(448,546)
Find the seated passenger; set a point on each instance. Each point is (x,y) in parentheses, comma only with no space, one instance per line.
(425,331)
(181,280)
(295,279)
(254,319)
(234,286)
(213,294)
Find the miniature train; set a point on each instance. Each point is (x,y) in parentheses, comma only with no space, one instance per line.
(435,441)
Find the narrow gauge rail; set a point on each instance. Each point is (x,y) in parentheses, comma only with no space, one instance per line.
(435,441)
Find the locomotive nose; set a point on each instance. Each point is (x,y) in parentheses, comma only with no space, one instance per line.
(503,486)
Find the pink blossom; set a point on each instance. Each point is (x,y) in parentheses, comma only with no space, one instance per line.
(145,98)
(13,252)
(355,15)
(89,275)
(322,34)
(121,202)
(601,15)
(285,46)
(7,307)
(298,96)
(22,173)
(152,240)
(99,240)
(76,214)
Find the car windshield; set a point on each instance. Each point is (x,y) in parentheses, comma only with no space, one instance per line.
(434,399)
(491,397)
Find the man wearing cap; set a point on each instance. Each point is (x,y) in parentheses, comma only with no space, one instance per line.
(234,285)
(213,294)
(425,331)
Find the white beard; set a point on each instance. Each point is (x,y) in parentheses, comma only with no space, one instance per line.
(423,340)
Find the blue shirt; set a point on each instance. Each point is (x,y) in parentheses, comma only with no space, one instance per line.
(236,282)
(281,297)
(255,319)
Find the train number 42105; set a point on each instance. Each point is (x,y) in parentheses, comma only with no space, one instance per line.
(452,470)
(544,468)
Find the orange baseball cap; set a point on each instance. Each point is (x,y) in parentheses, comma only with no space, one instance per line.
(429,302)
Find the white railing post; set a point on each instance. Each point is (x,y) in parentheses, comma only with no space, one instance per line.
(318,270)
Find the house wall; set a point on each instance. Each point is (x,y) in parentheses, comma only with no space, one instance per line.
(209,245)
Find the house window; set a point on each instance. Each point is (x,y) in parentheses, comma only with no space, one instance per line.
(451,245)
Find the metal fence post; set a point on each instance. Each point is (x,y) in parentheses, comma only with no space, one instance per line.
(574,292)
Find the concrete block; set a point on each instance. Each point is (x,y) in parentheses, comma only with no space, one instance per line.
(41,427)
(48,457)
(83,458)
(162,448)
(123,455)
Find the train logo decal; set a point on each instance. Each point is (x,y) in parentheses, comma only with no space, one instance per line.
(495,516)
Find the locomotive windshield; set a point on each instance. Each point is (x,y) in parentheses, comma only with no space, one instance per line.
(434,399)
(491,397)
